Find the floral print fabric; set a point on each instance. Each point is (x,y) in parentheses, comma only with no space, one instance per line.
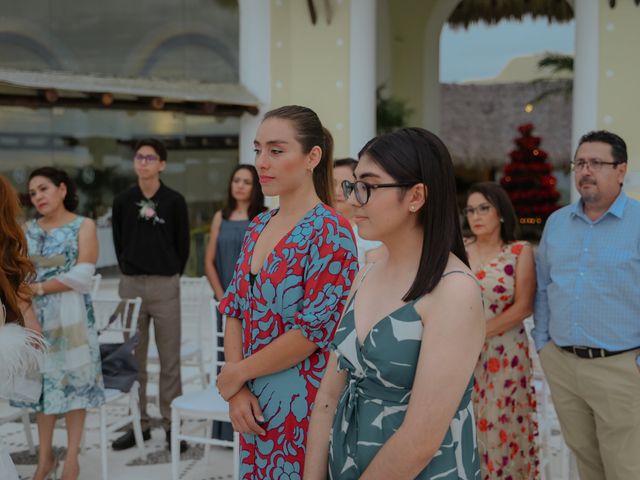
(55,252)
(503,396)
(303,284)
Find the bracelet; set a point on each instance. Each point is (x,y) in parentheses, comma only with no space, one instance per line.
(39,289)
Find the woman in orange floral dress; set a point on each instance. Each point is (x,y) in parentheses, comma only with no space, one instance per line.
(503,397)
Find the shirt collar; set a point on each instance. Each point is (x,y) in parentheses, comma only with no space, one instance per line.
(616,209)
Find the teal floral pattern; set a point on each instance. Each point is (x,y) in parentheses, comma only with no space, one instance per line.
(372,407)
(303,284)
(62,391)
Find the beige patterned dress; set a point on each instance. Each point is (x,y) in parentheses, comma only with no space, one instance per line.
(503,395)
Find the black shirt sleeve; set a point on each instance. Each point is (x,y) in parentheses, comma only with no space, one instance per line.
(182,234)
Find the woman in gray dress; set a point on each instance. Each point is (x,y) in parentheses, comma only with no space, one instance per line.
(245,200)
(395,401)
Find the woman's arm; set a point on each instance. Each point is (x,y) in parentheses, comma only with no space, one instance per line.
(244,408)
(210,257)
(452,338)
(284,352)
(324,410)
(29,316)
(524,295)
(87,253)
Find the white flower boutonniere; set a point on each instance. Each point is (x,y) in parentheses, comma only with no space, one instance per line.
(148,211)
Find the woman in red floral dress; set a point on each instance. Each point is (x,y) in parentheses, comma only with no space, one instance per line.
(291,282)
(504,397)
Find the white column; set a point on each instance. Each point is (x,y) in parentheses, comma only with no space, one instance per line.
(585,73)
(362,74)
(255,67)
(431,63)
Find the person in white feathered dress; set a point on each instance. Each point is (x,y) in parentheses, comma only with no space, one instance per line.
(22,347)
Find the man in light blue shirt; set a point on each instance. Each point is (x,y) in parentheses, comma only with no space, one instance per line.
(587,313)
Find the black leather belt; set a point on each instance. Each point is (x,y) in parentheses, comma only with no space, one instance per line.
(588,352)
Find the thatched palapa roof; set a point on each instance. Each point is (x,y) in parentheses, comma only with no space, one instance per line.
(479,122)
(492,11)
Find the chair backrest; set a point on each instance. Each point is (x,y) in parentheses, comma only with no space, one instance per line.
(116,317)
(217,347)
(95,284)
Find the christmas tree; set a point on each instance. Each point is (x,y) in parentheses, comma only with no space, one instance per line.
(528,179)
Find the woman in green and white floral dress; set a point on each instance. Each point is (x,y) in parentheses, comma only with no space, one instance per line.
(396,398)
(63,247)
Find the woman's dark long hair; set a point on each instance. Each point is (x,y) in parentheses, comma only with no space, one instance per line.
(256,202)
(58,177)
(499,199)
(310,133)
(417,155)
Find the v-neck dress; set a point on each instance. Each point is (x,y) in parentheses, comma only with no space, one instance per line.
(380,376)
(303,284)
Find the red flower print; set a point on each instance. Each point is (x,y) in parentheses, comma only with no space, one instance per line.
(480,274)
(503,436)
(517,248)
(499,289)
(515,361)
(493,365)
(482,425)
(508,269)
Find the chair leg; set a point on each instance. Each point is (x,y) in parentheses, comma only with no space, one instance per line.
(236,456)
(103,441)
(175,444)
(27,431)
(208,430)
(203,373)
(134,407)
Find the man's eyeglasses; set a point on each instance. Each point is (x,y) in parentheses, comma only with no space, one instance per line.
(594,165)
(362,190)
(481,209)
(146,158)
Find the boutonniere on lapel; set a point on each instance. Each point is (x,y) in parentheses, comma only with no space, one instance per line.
(148,211)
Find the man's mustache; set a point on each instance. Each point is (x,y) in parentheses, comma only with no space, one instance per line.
(586,181)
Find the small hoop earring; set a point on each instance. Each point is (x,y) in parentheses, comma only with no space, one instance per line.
(501,220)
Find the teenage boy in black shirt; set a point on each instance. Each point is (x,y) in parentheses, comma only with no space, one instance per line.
(151,238)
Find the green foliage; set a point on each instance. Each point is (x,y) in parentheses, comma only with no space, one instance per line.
(391,113)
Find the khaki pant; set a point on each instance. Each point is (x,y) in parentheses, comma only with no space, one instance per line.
(598,405)
(160,302)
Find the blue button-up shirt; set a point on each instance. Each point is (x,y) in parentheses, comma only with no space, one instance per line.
(588,275)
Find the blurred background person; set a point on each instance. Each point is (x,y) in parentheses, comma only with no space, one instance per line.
(245,201)
(368,250)
(64,248)
(503,396)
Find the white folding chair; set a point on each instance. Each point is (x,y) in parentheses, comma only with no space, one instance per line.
(195,294)
(9,414)
(116,320)
(206,405)
(96,280)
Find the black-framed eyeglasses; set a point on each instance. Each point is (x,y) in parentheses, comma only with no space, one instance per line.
(594,164)
(139,157)
(362,190)
(481,209)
